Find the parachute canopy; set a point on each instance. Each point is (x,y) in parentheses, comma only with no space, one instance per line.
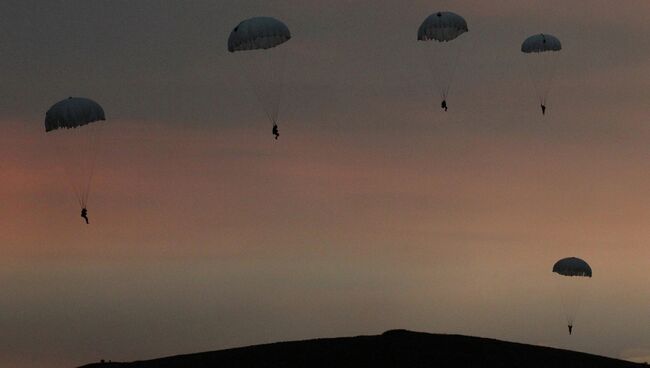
(541,43)
(73,112)
(572,266)
(442,26)
(258,33)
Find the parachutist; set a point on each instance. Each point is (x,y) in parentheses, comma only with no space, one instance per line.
(84,214)
(443,104)
(276,133)
(263,33)
(575,270)
(543,109)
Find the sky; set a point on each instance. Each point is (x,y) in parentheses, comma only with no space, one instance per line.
(374,210)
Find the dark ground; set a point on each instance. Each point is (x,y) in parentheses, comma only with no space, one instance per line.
(396,348)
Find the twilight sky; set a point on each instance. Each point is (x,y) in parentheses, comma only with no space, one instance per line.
(373,211)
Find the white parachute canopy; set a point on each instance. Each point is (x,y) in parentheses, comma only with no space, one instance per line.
(442,27)
(542,53)
(73,112)
(541,43)
(572,275)
(258,33)
(258,42)
(441,31)
(74,126)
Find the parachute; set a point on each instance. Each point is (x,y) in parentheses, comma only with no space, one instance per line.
(572,266)
(73,112)
(74,124)
(257,40)
(542,52)
(258,33)
(572,273)
(441,31)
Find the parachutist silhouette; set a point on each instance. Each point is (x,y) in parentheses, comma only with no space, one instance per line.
(543,109)
(443,104)
(276,133)
(84,214)
(570,329)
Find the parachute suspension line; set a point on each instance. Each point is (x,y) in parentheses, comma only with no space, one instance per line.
(94,143)
(571,294)
(69,124)
(541,72)
(63,151)
(442,62)
(265,78)
(83,158)
(76,189)
(77,192)
(279,78)
(452,71)
(274,63)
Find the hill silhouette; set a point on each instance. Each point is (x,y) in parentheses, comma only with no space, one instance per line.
(395,348)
